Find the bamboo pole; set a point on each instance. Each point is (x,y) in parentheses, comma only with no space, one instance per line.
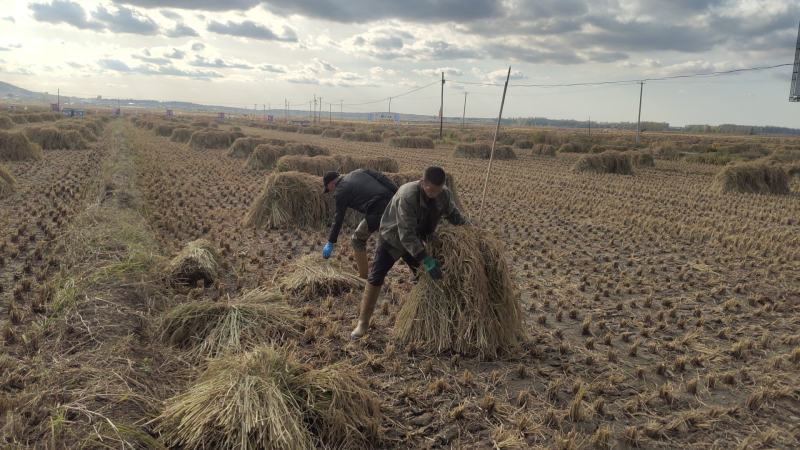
(494,141)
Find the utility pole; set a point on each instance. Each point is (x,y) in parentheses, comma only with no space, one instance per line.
(639,120)
(330,113)
(590,126)
(441,110)
(319,115)
(59,100)
(464,114)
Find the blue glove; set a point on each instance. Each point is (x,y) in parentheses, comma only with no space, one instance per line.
(432,267)
(327,250)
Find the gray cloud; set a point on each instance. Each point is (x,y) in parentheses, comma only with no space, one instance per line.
(121,20)
(359,11)
(151,60)
(207,5)
(176,54)
(532,55)
(252,30)
(63,11)
(125,20)
(198,46)
(272,68)
(116,65)
(392,43)
(10,19)
(181,30)
(170,14)
(217,63)
(552,30)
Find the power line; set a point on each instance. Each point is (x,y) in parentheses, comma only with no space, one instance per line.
(631,81)
(393,96)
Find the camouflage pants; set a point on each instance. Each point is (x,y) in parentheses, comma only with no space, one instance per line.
(361,236)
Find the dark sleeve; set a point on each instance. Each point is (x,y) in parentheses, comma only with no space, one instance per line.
(341,210)
(452,212)
(382,179)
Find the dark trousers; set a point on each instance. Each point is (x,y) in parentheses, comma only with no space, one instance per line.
(383,261)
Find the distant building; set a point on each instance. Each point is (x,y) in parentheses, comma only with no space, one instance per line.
(220,117)
(72,112)
(169,113)
(270,118)
(55,107)
(384,117)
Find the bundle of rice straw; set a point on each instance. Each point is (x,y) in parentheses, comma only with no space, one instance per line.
(213,139)
(313,278)
(291,199)
(209,328)
(15,146)
(165,129)
(50,138)
(181,134)
(265,156)
(196,261)
(7,181)
(362,137)
(314,165)
(641,158)
(410,142)
(476,151)
(474,309)
(266,399)
(607,162)
(757,177)
(244,146)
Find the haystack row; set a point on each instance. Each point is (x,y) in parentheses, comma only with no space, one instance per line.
(15,146)
(606,162)
(265,156)
(318,165)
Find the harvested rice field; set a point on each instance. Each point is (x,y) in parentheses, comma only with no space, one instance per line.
(652,309)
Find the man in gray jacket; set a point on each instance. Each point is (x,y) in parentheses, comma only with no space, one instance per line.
(411,217)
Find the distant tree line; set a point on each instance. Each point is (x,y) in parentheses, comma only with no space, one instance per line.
(652,126)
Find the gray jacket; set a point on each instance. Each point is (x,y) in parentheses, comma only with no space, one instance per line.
(411,217)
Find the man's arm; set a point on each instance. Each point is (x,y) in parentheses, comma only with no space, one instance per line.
(341,210)
(452,213)
(407,229)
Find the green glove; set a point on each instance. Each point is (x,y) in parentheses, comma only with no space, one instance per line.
(432,267)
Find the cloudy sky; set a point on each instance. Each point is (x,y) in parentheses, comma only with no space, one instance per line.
(246,52)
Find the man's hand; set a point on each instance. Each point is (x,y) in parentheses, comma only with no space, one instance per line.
(327,250)
(432,267)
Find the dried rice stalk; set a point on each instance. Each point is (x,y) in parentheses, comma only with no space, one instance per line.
(7,181)
(312,277)
(291,199)
(265,399)
(197,261)
(474,309)
(212,328)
